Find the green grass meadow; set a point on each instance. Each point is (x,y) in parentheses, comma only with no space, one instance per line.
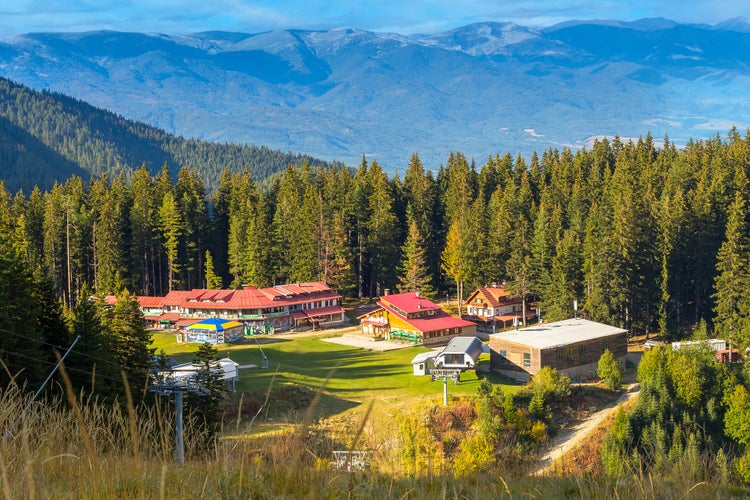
(357,375)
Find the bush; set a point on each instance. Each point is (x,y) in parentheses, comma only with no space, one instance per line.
(476,453)
(609,370)
(550,383)
(742,468)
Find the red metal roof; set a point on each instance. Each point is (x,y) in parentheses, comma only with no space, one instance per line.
(298,315)
(494,295)
(149,301)
(410,302)
(175,297)
(440,321)
(247,298)
(250,297)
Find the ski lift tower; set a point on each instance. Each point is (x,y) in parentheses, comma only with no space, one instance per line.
(175,383)
(182,379)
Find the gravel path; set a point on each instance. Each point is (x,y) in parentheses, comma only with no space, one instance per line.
(568,439)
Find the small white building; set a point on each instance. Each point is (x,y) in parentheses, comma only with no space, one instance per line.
(424,362)
(185,374)
(461,353)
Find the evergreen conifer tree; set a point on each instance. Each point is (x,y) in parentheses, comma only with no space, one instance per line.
(414,277)
(733,279)
(213,280)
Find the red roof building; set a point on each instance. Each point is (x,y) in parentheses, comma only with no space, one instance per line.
(283,306)
(496,304)
(409,316)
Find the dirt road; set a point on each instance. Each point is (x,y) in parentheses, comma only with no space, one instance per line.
(568,439)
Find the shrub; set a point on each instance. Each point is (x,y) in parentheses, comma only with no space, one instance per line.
(551,383)
(609,370)
(742,468)
(475,454)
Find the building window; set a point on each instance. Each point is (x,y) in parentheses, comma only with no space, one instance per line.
(503,354)
(558,355)
(570,355)
(526,360)
(582,351)
(605,345)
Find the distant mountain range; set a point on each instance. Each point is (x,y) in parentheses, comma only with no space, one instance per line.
(480,89)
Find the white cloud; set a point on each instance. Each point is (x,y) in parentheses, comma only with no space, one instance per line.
(532,132)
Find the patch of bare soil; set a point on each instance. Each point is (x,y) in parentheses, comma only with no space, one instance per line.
(584,426)
(584,458)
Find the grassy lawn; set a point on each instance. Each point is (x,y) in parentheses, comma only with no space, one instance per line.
(356,375)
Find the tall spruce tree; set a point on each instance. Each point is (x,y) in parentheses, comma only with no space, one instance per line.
(336,266)
(414,274)
(129,342)
(733,279)
(108,237)
(361,209)
(90,366)
(142,222)
(382,229)
(190,196)
(51,323)
(453,258)
(519,266)
(171,223)
(212,280)
(220,225)
(20,336)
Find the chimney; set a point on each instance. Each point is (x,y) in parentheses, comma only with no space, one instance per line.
(387,291)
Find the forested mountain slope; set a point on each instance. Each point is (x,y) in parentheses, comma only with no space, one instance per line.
(47,137)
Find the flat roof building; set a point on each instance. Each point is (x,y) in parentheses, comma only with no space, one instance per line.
(572,346)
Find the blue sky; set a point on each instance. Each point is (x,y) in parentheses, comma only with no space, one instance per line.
(400,16)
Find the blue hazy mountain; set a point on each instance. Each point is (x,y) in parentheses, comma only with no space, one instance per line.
(479,89)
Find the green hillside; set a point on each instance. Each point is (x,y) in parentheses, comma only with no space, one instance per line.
(47,137)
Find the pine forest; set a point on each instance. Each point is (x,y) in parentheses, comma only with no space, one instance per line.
(644,236)
(651,239)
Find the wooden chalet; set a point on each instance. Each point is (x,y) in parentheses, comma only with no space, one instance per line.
(412,318)
(495,308)
(572,346)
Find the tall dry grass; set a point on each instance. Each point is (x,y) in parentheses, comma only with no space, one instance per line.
(74,446)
